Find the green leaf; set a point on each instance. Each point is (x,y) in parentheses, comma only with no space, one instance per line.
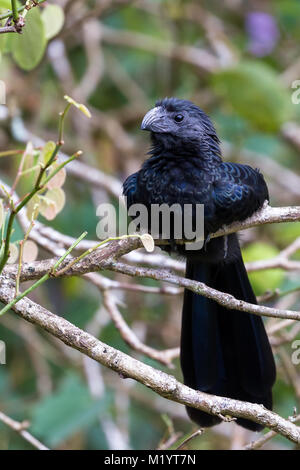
(57,180)
(13,253)
(57,195)
(53,18)
(80,106)
(253,91)
(52,203)
(5,5)
(66,411)
(28,48)
(47,208)
(47,151)
(32,207)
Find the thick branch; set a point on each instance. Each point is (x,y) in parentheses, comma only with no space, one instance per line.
(266,215)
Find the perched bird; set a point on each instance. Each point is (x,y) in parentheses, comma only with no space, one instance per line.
(223,352)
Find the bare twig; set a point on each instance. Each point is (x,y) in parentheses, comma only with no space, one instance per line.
(280,261)
(165,357)
(190,438)
(259,443)
(21,429)
(20,9)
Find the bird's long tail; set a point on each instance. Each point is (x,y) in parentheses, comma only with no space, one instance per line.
(225,352)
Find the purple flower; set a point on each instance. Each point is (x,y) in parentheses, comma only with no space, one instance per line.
(262,32)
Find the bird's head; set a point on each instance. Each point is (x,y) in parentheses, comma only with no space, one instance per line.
(181,126)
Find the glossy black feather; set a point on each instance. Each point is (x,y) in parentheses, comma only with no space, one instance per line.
(225,352)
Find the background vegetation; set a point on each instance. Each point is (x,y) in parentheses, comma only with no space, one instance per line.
(238,61)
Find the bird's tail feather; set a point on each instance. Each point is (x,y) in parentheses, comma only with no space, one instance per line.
(225,352)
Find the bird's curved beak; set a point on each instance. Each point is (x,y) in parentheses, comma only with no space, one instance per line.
(153,120)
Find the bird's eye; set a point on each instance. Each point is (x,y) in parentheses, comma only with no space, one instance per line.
(179,117)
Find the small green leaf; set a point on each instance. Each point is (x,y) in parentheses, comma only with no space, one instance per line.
(58,180)
(32,208)
(47,151)
(57,195)
(53,18)
(28,156)
(28,48)
(13,253)
(84,110)
(47,208)
(52,203)
(80,106)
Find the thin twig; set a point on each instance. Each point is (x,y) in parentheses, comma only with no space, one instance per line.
(21,258)
(259,443)
(190,438)
(20,428)
(164,357)
(20,9)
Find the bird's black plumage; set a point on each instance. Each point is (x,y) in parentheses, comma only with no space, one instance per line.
(224,352)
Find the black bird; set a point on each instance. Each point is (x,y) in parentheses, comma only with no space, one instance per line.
(223,352)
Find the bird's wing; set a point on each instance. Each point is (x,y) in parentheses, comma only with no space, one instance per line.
(238,192)
(129,188)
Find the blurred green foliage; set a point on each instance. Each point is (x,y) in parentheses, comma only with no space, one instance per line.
(264,280)
(252,90)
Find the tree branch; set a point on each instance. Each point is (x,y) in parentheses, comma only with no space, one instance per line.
(20,9)
(21,429)
(8,29)
(280,261)
(163,384)
(165,357)
(259,443)
(105,258)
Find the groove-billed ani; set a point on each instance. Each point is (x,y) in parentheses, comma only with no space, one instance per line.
(223,352)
